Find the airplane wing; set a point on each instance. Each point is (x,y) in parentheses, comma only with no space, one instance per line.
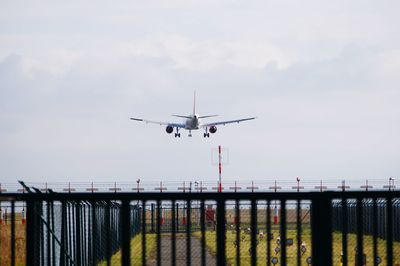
(159,123)
(227,122)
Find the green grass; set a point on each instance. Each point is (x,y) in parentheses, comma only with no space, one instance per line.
(136,250)
(368,249)
(292,250)
(245,258)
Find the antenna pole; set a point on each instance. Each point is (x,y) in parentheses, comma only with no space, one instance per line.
(194,103)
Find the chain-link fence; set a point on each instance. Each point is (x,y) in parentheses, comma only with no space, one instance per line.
(365,222)
(328,228)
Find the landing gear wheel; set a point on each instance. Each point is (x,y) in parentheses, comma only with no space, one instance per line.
(177,134)
(208,135)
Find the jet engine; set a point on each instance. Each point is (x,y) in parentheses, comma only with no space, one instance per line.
(213,129)
(169,129)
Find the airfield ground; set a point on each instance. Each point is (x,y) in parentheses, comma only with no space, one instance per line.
(136,248)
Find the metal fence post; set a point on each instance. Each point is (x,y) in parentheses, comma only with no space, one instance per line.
(283,233)
(31,228)
(48,243)
(78,233)
(268,233)
(152,217)
(298,232)
(253,246)
(203,233)
(126,237)
(107,218)
(173,236)
(360,233)
(158,232)
(143,232)
(237,221)
(221,257)
(344,230)
(177,217)
(389,224)
(188,233)
(12,233)
(321,225)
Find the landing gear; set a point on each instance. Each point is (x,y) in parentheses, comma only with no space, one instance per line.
(177,134)
(206,134)
(190,133)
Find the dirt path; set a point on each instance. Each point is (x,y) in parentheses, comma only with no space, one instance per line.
(166,252)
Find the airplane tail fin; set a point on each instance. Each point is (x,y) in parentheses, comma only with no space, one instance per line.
(194,103)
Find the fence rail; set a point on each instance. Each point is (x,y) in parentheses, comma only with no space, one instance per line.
(293,228)
(229,185)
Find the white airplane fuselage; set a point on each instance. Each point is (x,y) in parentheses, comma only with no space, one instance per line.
(192,123)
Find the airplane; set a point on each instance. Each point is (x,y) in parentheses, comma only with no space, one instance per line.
(192,122)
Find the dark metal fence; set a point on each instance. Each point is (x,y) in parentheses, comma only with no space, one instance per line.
(374,217)
(327,228)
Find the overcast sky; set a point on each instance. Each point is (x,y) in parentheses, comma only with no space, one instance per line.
(321,76)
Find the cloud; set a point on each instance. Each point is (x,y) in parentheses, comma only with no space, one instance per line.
(321,81)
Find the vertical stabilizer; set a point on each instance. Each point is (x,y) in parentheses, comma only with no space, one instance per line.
(194,103)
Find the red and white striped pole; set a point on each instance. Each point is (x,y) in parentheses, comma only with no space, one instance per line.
(276,212)
(276,215)
(220,169)
(23,216)
(23,209)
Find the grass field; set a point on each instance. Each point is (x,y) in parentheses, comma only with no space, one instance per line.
(262,246)
(368,249)
(136,247)
(291,250)
(245,258)
(136,250)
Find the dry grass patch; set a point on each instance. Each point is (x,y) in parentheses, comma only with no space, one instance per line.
(5,244)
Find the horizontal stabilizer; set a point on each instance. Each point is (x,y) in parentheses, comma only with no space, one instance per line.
(207,116)
(182,116)
(137,119)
